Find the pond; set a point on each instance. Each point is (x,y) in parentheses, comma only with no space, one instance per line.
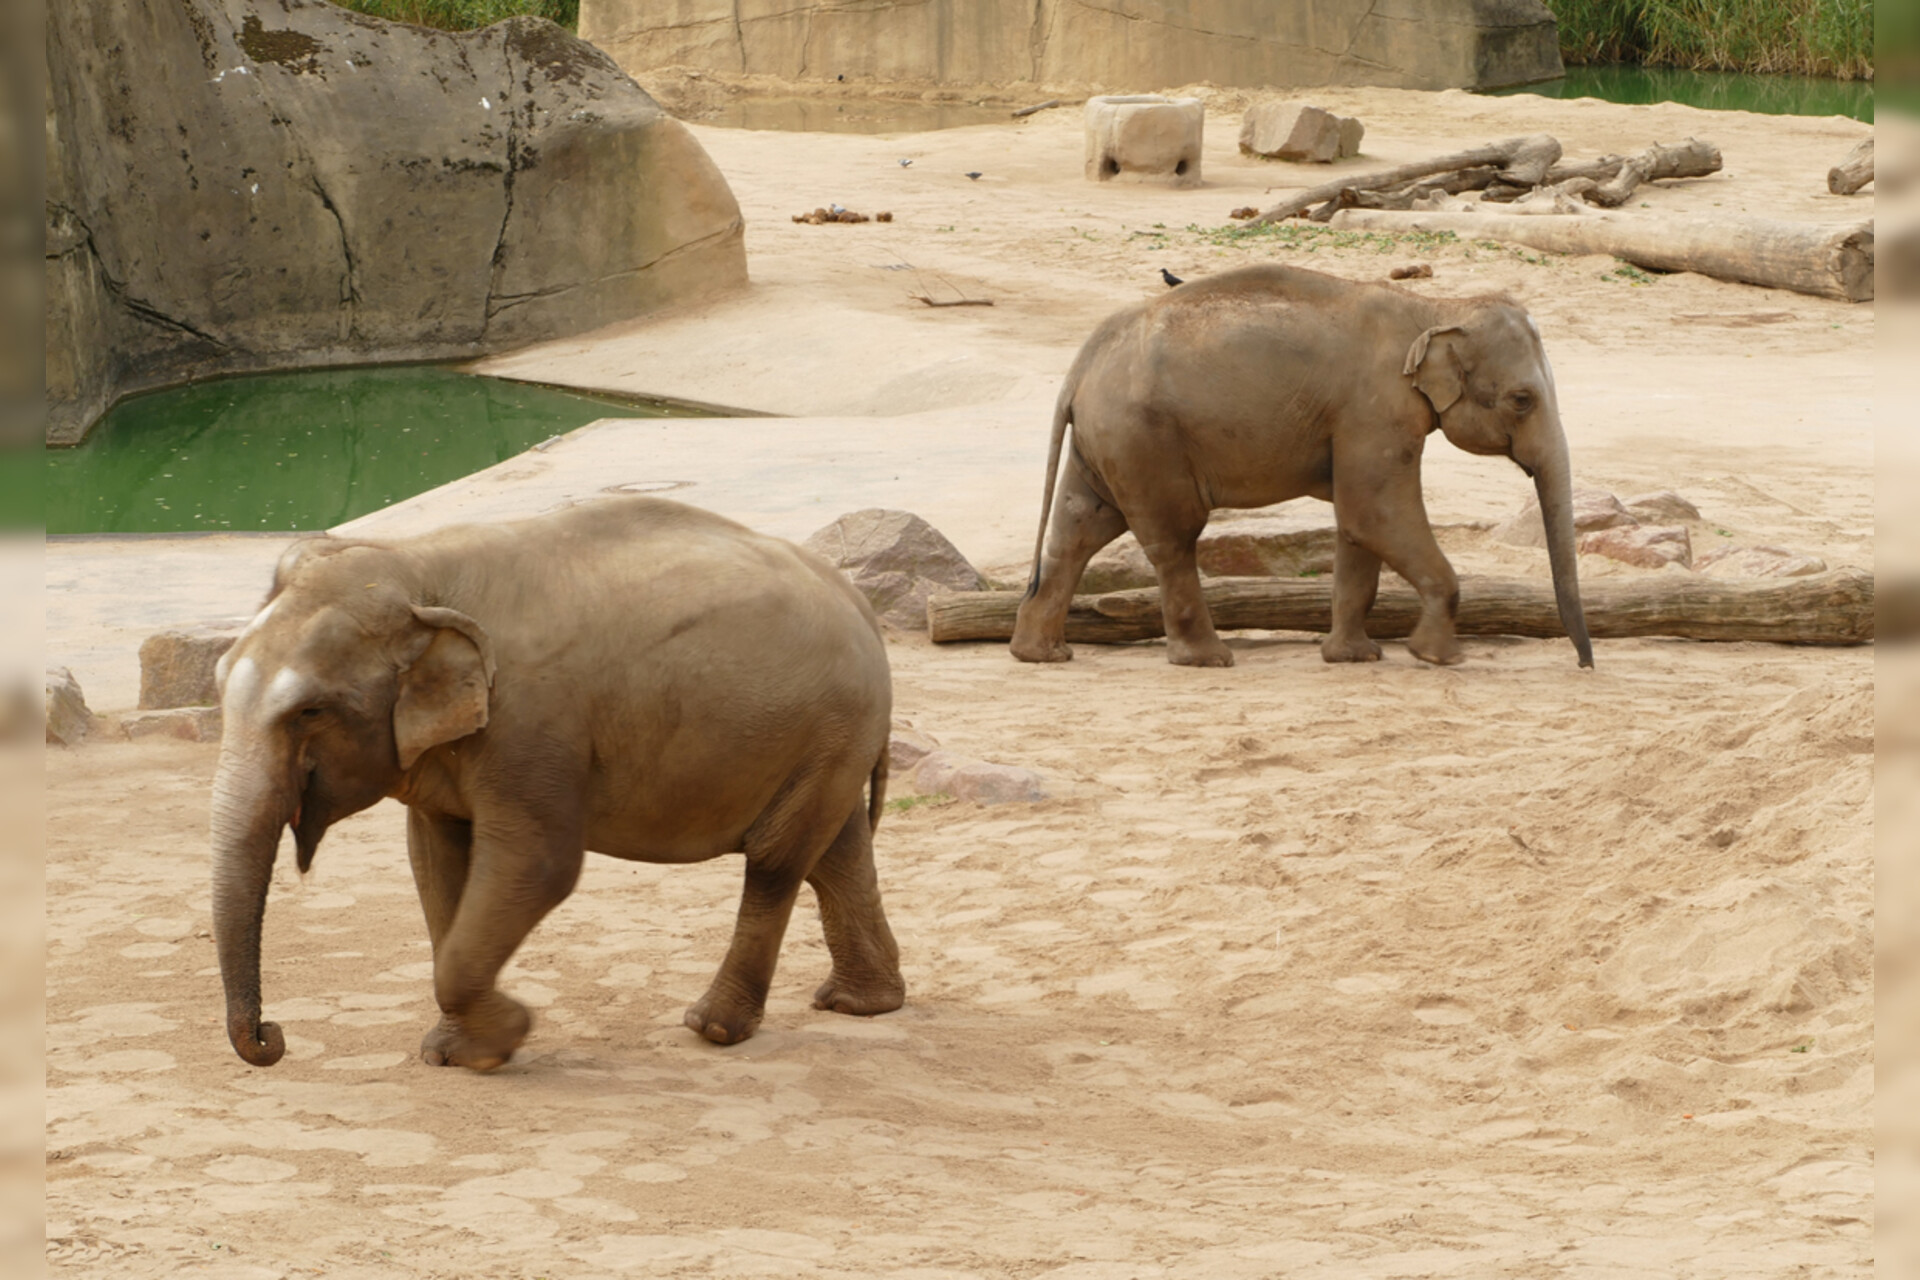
(840,115)
(1716,90)
(305,450)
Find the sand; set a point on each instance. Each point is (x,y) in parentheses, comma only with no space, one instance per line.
(1500,970)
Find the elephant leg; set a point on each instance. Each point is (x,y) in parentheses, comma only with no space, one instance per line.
(519,871)
(1356,580)
(1191,639)
(439,849)
(1389,519)
(866,960)
(1082,523)
(782,848)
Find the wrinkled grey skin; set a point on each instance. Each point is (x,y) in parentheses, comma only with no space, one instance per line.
(631,676)
(1268,383)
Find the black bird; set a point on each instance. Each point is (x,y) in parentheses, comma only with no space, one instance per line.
(975,175)
(1170,278)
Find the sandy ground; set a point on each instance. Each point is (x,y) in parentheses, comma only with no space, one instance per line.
(1500,970)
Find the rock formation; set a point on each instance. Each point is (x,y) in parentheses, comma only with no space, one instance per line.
(235,186)
(1121,46)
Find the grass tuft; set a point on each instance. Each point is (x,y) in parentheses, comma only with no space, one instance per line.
(1806,37)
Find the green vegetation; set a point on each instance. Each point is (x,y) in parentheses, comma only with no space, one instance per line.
(1811,37)
(904,803)
(1311,237)
(465,15)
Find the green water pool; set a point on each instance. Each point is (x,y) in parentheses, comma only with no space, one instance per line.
(302,451)
(1715,90)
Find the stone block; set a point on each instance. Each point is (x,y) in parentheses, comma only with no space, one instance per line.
(897,560)
(68,718)
(1592,509)
(982,782)
(188,724)
(1299,131)
(1758,562)
(1648,546)
(1146,138)
(176,665)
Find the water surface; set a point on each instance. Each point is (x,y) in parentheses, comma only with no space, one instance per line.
(305,450)
(1715,90)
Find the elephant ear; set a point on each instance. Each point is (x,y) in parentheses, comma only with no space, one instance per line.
(1435,368)
(444,690)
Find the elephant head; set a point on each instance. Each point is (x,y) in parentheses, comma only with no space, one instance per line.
(1491,388)
(346,676)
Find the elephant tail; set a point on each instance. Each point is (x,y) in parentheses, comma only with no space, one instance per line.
(877,788)
(1062,418)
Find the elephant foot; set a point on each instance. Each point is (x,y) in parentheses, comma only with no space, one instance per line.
(1353,649)
(1211,654)
(861,998)
(1025,650)
(1444,653)
(480,1040)
(723,1018)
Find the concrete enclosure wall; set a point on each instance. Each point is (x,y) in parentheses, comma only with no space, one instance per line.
(1118,45)
(235,186)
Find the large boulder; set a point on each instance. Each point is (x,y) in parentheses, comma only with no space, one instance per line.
(234,185)
(1299,131)
(1433,44)
(68,718)
(897,560)
(176,665)
(1645,546)
(1144,137)
(1592,509)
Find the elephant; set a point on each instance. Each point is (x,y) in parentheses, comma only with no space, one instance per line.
(631,676)
(1271,382)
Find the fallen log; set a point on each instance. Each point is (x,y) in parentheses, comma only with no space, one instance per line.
(1519,157)
(1023,112)
(1615,177)
(1833,608)
(1826,260)
(1854,172)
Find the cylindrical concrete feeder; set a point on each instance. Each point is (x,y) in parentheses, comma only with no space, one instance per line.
(1144,137)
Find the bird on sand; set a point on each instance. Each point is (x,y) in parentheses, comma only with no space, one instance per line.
(975,175)
(905,163)
(1170,278)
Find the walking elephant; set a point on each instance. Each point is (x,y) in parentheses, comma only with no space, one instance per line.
(630,676)
(1268,383)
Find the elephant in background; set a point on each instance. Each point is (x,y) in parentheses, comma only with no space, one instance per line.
(631,676)
(1271,382)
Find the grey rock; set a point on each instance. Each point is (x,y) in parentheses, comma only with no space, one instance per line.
(943,773)
(234,185)
(68,718)
(176,665)
(1648,546)
(1758,562)
(1592,509)
(1665,507)
(1299,131)
(908,747)
(897,560)
(188,724)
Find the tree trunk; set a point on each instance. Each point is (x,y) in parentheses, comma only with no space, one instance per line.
(1832,260)
(1853,173)
(1834,608)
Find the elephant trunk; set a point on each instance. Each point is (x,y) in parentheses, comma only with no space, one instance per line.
(246,836)
(1553,482)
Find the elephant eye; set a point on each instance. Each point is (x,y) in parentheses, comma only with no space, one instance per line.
(310,713)
(1522,401)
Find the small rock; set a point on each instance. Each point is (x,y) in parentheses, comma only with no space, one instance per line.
(897,560)
(68,719)
(1592,509)
(189,724)
(943,773)
(176,666)
(1299,131)
(1650,547)
(1665,507)
(1244,212)
(908,747)
(1417,271)
(1758,562)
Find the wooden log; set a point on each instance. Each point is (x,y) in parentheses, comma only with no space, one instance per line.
(1519,155)
(1833,608)
(1854,172)
(1689,159)
(1036,107)
(1827,260)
